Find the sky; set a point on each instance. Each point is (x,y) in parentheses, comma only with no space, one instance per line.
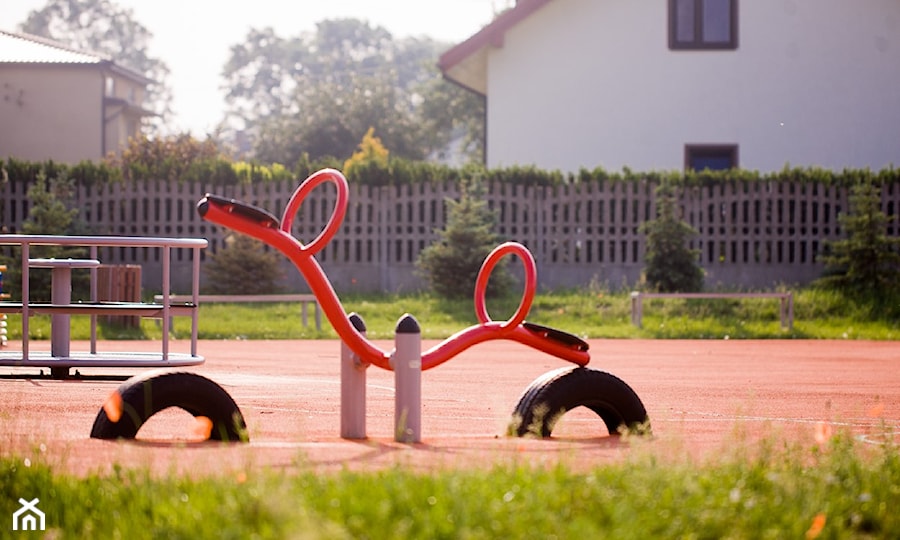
(193,37)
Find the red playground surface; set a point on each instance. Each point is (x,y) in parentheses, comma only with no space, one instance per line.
(698,394)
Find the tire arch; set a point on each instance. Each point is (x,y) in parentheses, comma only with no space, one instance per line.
(141,397)
(554,393)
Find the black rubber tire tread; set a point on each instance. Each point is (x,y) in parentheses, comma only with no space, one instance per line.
(549,396)
(147,394)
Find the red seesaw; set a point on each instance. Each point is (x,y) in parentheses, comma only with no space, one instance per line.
(541,405)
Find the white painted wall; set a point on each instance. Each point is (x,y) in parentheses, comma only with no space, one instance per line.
(586,83)
(56,113)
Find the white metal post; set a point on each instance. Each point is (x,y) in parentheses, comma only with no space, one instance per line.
(60,294)
(353,388)
(637,309)
(407,364)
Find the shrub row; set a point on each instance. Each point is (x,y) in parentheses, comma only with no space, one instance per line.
(218,170)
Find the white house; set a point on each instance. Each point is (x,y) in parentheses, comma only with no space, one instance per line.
(672,84)
(62,104)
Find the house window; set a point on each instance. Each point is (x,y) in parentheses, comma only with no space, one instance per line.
(715,157)
(109,87)
(703,24)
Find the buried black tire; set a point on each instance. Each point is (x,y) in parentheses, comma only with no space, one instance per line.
(549,397)
(139,398)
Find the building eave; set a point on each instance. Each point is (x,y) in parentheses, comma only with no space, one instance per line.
(31,50)
(466,63)
(128,107)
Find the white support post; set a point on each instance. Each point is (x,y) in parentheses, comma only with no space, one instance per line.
(3,296)
(637,309)
(60,295)
(407,364)
(353,388)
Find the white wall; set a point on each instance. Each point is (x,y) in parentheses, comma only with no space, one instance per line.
(53,112)
(586,83)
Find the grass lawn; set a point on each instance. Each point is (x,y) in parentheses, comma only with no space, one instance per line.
(588,313)
(833,488)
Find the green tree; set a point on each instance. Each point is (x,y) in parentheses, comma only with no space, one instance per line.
(451,264)
(370,163)
(670,265)
(867,259)
(52,211)
(243,266)
(332,123)
(318,93)
(452,120)
(258,76)
(173,158)
(103,27)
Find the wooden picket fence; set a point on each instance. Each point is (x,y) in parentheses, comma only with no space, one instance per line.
(750,234)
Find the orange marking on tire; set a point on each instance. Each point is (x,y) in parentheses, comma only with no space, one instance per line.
(113,407)
(203,427)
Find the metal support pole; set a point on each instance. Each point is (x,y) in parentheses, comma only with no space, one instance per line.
(637,309)
(407,364)
(60,294)
(353,388)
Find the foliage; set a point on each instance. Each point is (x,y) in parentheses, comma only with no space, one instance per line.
(212,166)
(866,261)
(51,212)
(413,172)
(318,93)
(305,166)
(85,173)
(253,172)
(175,158)
(451,263)
(370,150)
(524,175)
(331,124)
(452,121)
(370,164)
(671,266)
(243,266)
(102,27)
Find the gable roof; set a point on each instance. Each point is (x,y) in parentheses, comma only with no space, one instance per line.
(17,48)
(466,63)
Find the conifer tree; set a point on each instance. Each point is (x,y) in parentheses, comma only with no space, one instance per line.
(243,266)
(867,259)
(451,264)
(670,265)
(50,212)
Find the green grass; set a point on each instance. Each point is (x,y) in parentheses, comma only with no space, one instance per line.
(588,313)
(841,489)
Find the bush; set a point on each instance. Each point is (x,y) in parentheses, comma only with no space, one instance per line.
(178,158)
(451,264)
(670,265)
(254,173)
(243,266)
(867,260)
(51,212)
